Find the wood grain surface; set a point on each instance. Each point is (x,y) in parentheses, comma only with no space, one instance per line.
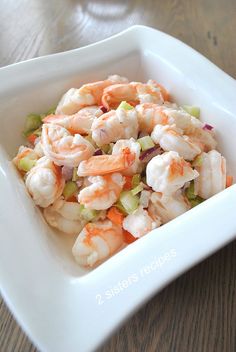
(196,313)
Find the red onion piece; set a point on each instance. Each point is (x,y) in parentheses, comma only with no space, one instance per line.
(98,152)
(67,172)
(148,154)
(104,110)
(208,127)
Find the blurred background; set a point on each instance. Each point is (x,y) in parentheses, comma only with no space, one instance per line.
(30,28)
(197,312)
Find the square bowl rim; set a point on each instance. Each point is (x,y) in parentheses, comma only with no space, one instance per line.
(19,68)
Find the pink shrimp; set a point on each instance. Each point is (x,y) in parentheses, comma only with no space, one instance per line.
(65,216)
(45,182)
(140,223)
(167,207)
(79,122)
(134,93)
(96,242)
(89,94)
(212,174)
(106,164)
(172,138)
(25,152)
(150,115)
(168,172)
(103,191)
(115,125)
(64,149)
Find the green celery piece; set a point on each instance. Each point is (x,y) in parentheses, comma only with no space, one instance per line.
(192,110)
(75,177)
(137,190)
(146,143)
(196,201)
(88,214)
(105,148)
(26,164)
(129,201)
(69,189)
(125,106)
(33,122)
(190,192)
(90,140)
(136,180)
(197,161)
(51,111)
(119,206)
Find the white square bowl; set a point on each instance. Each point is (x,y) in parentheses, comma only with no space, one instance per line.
(60,306)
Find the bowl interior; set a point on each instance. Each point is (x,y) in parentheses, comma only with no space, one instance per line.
(39,96)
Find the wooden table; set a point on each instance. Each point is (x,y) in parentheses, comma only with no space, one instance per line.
(196,313)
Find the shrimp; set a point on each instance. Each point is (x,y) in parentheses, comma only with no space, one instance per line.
(103,191)
(89,94)
(212,174)
(80,122)
(115,125)
(44,182)
(152,92)
(168,172)
(139,223)
(64,216)
(205,139)
(172,138)
(145,198)
(192,127)
(96,242)
(134,93)
(134,147)
(38,147)
(150,115)
(25,152)
(64,149)
(167,207)
(106,164)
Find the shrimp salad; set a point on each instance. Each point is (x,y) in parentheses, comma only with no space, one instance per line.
(115,160)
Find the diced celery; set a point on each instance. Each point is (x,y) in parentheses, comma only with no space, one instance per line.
(33,122)
(190,192)
(110,148)
(75,177)
(192,110)
(90,140)
(25,164)
(129,201)
(105,148)
(119,206)
(197,161)
(146,143)
(69,189)
(125,106)
(37,132)
(196,201)
(137,189)
(136,180)
(51,111)
(88,214)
